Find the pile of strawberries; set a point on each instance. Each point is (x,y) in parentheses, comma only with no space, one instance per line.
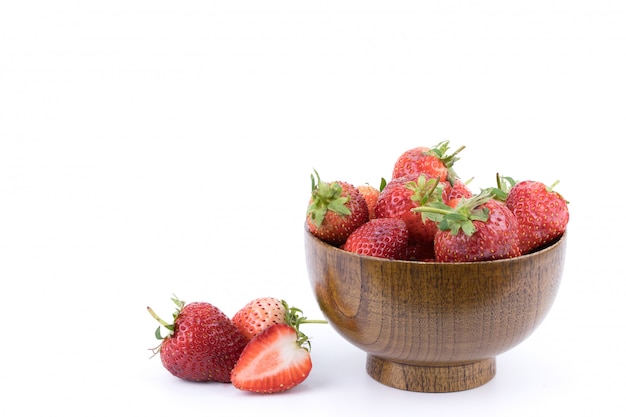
(427,213)
(260,349)
(424,213)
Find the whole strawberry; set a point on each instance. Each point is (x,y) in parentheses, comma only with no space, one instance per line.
(203,343)
(477,229)
(458,190)
(433,162)
(261,313)
(258,314)
(335,210)
(401,195)
(370,194)
(542,213)
(382,238)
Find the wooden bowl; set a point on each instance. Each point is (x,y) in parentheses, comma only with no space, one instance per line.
(430,326)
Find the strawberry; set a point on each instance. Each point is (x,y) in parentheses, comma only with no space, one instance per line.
(381,238)
(335,210)
(274,361)
(259,314)
(403,194)
(203,343)
(433,162)
(542,213)
(370,194)
(458,190)
(477,229)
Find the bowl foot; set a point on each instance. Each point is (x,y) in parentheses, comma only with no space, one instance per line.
(443,378)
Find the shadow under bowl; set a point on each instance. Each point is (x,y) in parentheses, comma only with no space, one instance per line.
(432,326)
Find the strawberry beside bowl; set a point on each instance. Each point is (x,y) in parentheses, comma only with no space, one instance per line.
(433,326)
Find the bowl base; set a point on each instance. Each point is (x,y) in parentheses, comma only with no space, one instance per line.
(442,378)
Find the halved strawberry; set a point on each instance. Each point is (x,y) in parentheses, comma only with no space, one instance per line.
(274,361)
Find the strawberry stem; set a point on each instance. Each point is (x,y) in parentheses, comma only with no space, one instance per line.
(440,150)
(159,319)
(503,187)
(460,217)
(294,318)
(551,188)
(425,189)
(169,326)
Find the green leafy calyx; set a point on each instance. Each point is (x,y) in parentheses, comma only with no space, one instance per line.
(440,150)
(460,217)
(503,187)
(425,189)
(294,318)
(162,323)
(324,197)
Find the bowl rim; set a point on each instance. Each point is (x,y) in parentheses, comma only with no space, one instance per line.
(537,252)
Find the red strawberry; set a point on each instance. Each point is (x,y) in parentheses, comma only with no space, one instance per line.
(274,361)
(542,213)
(259,314)
(403,194)
(381,238)
(335,210)
(478,229)
(460,189)
(203,344)
(370,194)
(432,162)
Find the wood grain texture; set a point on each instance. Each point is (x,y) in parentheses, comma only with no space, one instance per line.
(433,327)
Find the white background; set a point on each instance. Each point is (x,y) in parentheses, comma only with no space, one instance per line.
(158,147)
